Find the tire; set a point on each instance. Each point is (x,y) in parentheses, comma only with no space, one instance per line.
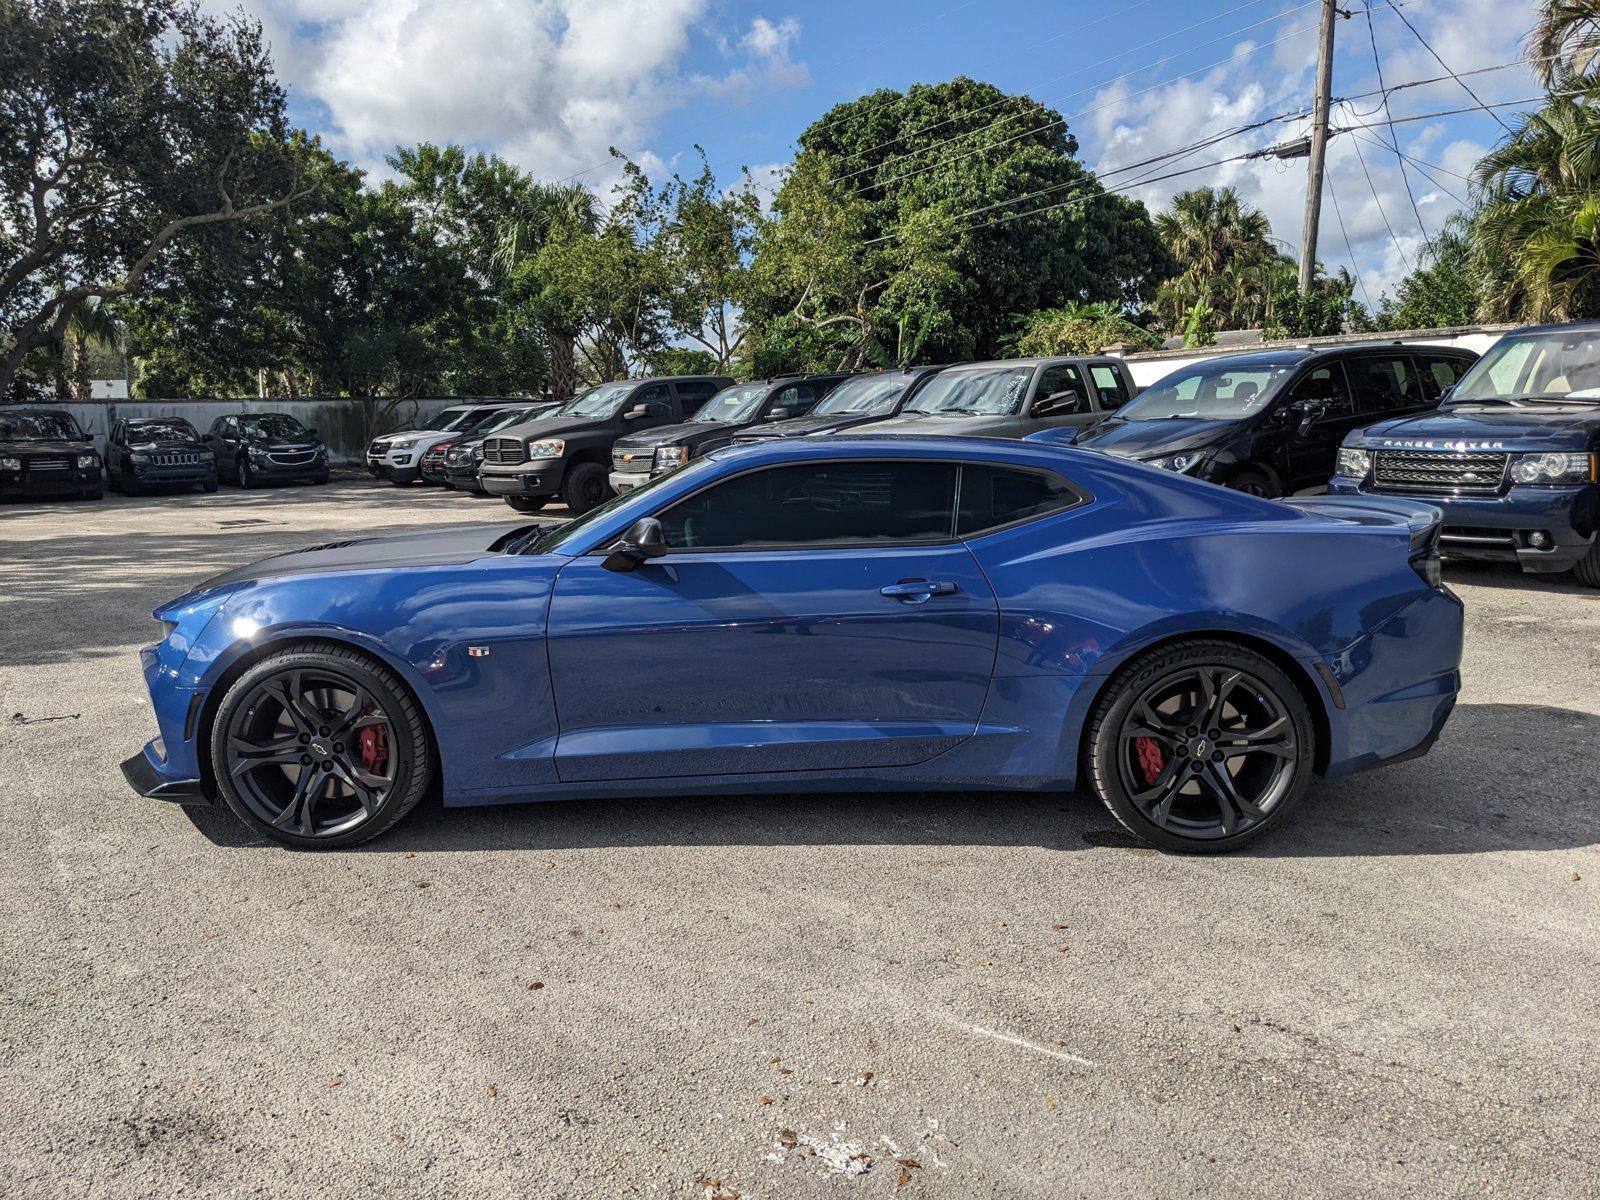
(320,478)
(131,487)
(584,487)
(527,504)
(209,486)
(311,789)
(1150,783)
(247,477)
(1254,483)
(1587,569)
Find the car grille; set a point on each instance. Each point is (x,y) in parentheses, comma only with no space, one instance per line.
(1420,471)
(375,450)
(48,466)
(178,458)
(634,460)
(293,458)
(505,450)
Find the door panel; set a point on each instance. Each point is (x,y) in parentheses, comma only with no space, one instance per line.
(1311,455)
(729,662)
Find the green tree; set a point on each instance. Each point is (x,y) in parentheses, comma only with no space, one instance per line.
(958,166)
(1081,329)
(545,214)
(1443,290)
(1534,232)
(124,126)
(1224,256)
(1565,40)
(1328,308)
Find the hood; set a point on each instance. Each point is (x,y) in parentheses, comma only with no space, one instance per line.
(549,427)
(1540,426)
(451,545)
(159,445)
(1148,439)
(803,426)
(22,449)
(922,425)
(684,431)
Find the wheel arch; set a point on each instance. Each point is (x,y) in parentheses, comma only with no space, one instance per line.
(1260,467)
(305,640)
(1295,670)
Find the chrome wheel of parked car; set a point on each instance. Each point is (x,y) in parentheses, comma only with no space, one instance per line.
(1201,746)
(320,747)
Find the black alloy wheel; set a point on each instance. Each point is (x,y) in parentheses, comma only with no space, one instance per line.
(1201,747)
(584,487)
(320,747)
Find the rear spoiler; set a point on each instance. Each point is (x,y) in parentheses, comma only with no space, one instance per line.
(1422,520)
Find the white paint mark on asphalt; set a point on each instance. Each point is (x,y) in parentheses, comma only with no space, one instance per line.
(1034,1046)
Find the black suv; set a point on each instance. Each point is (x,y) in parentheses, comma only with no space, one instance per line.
(743,405)
(857,400)
(566,453)
(144,453)
(43,452)
(1270,423)
(271,447)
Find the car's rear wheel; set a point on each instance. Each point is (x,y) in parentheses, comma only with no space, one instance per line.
(320,747)
(527,504)
(1254,483)
(1587,570)
(584,487)
(1201,746)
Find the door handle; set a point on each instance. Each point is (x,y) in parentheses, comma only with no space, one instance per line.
(917,591)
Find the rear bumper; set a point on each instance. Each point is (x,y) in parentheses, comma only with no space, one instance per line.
(1499,528)
(147,778)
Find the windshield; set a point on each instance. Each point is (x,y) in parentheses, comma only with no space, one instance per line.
(39,427)
(499,419)
(455,420)
(873,395)
(733,404)
(1212,391)
(273,425)
(602,401)
(557,537)
(1558,365)
(994,391)
(175,429)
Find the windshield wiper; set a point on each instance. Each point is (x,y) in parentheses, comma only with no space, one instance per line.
(1506,400)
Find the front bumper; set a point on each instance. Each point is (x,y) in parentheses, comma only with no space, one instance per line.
(146,778)
(626,481)
(174,476)
(537,477)
(1497,528)
(24,485)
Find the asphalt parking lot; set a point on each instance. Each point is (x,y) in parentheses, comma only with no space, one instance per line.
(948,996)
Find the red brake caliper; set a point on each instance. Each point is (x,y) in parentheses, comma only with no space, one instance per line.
(374,741)
(1151,760)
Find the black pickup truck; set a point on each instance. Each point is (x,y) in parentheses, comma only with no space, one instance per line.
(43,452)
(567,453)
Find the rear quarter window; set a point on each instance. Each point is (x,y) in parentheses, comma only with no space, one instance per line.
(995,496)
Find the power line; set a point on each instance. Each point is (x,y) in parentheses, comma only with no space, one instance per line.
(1423,168)
(1393,138)
(1442,63)
(1348,249)
(1399,249)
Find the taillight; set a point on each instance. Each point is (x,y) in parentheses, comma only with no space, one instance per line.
(1428,566)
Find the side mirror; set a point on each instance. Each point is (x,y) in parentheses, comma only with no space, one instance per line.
(1305,412)
(1059,402)
(1445,395)
(643,541)
(778,414)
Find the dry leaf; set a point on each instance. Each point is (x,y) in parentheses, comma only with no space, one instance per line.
(751,1021)
(334,1083)
(982,962)
(788,1139)
(785,1071)
(534,987)
(422,883)
(616,904)
(210,937)
(410,854)
(763,1099)
(399,1139)
(491,1091)
(905,1178)
(908,1162)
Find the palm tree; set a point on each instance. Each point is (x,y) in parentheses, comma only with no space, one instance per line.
(1565,40)
(1223,249)
(1534,234)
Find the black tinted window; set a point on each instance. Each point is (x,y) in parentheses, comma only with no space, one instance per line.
(819,504)
(1108,382)
(1439,373)
(995,496)
(696,393)
(1384,384)
(1325,385)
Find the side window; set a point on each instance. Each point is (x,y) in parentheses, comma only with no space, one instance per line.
(1439,373)
(794,401)
(695,394)
(1326,386)
(1063,377)
(656,393)
(818,504)
(995,496)
(1384,384)
(1108,382)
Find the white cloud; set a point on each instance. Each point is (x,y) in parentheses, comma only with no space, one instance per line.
(550,84)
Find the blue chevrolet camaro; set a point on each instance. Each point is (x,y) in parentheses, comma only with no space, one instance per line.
(860,614)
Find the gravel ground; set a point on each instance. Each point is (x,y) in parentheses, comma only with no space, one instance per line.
(786,997)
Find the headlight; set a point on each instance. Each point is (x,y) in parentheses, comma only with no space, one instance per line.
(403,443)
(1187,461)
(85,461)
(139,458)
(477,454)
(671,456)
(553,448)
(258,452)
(1553,468)
(10,464)
(1352,463)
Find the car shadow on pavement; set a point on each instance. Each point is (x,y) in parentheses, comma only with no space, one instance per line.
(1503,777)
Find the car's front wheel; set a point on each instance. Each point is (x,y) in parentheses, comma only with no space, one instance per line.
(527,504)
(320,747)
(1587,570)
(584,487)
(1201,746)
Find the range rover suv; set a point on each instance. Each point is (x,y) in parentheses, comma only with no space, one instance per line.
(1510,457)
(856,401)
(144,453)
(1012,397)
(253,448)
(739,407)
(1270,423)
(43,452)
(567,453)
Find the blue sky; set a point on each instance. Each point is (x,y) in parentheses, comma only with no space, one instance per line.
(552,83)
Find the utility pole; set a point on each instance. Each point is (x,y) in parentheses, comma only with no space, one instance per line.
(1319,144)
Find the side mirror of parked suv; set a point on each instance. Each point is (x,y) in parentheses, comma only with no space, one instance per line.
(1067,401)
(1305,412)
(644,540)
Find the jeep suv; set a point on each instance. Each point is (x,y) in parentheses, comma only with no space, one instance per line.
(740,407)
(43,452)
(143,453)
(1510,457)
(566,454)
(1012,398)
(1270,423)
